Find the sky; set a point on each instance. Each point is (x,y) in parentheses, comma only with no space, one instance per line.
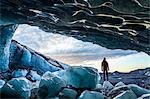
(78,53)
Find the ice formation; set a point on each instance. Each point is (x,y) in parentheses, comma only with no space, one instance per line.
(50,85)
(129,94)
(82,77)
(67,93)
(17,88)
(19,73)
(91,95)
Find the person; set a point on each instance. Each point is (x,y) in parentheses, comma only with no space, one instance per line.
(105,68)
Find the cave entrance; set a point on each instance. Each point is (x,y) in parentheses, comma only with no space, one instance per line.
(76,52)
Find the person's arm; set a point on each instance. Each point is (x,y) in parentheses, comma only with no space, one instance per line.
(108,66)
(102,68)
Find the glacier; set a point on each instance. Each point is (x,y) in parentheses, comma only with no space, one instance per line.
(23,57)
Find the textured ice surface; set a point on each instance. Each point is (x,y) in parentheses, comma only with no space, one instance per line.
(129,94)
(145,96)
(50,85)
(82,77)
(35,84)
(119,84)
(22,57)
(67,93)
(59,73)
(117,90)
(65,66)
(19,73)
(91,95)
(98,86)
(2,82)
(147,73)
(107,85)
(6,33)
(120,14)
(34,76)
(26,57)
(41,65)
(138,90)
(18,88)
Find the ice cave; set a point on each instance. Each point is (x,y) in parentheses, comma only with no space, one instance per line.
(30,68)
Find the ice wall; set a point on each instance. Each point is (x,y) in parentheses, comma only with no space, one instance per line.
(6,33)
(23,57)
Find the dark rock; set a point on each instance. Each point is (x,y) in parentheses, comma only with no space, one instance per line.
(83,3)
(137,27)
(103,9)
(96,2)
(69,1)
(128,6)
(100,19)
(144,3)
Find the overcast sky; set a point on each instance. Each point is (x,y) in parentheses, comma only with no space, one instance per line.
(75,52)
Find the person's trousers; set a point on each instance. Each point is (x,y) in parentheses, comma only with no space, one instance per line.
(105,73)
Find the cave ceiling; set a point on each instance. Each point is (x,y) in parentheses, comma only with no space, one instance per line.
(114,24)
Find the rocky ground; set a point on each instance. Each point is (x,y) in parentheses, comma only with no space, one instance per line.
(140,77)
(72,83)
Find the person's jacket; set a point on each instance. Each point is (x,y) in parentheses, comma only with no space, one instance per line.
(105,66)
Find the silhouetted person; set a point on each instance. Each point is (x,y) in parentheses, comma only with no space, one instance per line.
(105,68)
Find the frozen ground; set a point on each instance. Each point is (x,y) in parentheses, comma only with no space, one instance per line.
(72,83)
(140,77)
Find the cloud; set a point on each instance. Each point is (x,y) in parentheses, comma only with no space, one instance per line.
(122,64)
(49,43)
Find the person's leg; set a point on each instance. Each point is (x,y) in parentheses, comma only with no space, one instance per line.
(107,75)
(104,74)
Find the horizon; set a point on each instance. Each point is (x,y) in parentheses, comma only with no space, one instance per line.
(78,53)
(111,63)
